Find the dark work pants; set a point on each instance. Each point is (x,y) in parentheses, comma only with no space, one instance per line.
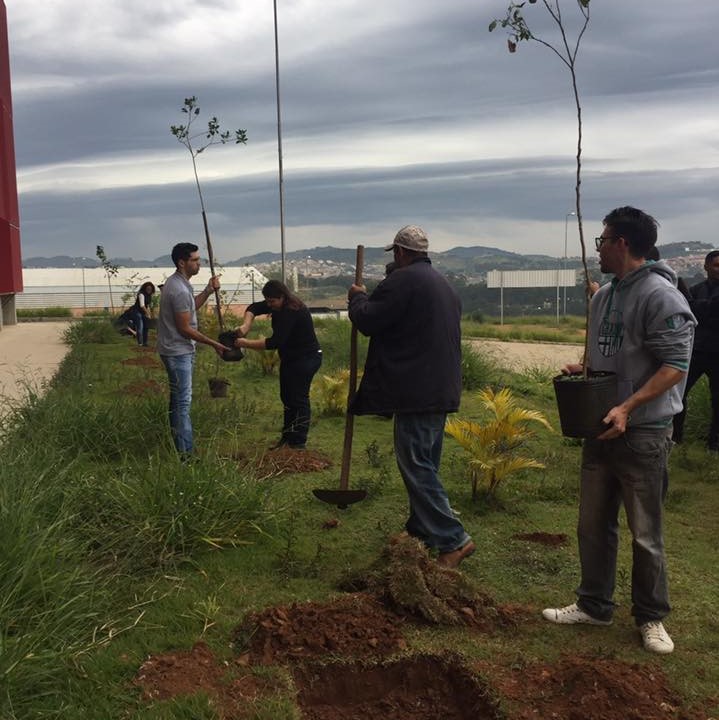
(702,363)
(295,380)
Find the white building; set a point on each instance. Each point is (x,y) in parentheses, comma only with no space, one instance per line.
(87,288)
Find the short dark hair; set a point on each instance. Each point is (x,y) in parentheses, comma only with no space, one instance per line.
(182,251)
(710,256)
(637,227)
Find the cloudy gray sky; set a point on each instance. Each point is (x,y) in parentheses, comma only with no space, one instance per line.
(393,112)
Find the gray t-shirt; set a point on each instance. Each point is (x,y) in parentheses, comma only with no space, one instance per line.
(176,296)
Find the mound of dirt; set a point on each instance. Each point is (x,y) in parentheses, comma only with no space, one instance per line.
(585,688)
(284,460)
(142,388)
(142,361)
(543,538)
(352,626)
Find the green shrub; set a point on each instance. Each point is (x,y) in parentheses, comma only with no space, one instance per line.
(477,369)
(54,312)
(90,332)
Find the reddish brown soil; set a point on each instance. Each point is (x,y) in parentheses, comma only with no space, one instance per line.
(423,687)
(142,361)
(585,688)
(353,626)
(543,538)
(285,460)
(175,674)
(143,388)
(141,349)
(338,653)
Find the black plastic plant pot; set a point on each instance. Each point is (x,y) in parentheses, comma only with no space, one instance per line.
(583,403)
(218,387)
(228,338)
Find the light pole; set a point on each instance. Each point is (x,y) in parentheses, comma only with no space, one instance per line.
(307,274)
(279,146)
(566,225)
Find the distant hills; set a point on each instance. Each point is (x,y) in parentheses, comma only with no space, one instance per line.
(467,261)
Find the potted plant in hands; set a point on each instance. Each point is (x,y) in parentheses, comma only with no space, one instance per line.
(196,142)
(583,399)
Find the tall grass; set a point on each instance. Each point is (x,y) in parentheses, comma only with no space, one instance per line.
(51,598)
(91,490)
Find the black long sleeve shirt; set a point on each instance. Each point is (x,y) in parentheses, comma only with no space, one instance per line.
(293,332)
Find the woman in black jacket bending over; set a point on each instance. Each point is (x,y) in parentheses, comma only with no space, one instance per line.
(293,336)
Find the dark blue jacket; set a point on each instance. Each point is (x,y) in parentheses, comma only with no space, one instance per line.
(414,358)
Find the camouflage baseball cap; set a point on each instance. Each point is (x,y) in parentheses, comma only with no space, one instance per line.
(410,237)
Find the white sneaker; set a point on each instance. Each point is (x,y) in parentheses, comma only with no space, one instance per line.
(656,638)
(571,615)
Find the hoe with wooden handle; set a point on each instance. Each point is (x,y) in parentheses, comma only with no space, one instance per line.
(344,497)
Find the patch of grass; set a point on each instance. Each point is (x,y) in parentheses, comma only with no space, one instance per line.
(527,329)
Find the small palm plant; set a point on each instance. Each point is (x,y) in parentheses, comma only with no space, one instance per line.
(331,392)
(494,447)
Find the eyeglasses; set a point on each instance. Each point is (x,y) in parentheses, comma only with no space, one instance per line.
(599,241)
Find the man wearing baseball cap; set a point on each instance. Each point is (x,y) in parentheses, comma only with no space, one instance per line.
(413,372)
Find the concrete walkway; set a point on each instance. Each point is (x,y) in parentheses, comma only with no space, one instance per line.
(30,354)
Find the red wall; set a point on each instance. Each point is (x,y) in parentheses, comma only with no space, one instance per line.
(10,258)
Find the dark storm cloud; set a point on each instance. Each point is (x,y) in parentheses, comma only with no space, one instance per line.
(468,131)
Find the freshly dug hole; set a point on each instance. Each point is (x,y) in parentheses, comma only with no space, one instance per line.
(424,687)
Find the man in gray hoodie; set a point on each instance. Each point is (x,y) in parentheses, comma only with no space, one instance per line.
(641,328)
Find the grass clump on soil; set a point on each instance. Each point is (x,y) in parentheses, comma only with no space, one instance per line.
(113,551)
(412,584)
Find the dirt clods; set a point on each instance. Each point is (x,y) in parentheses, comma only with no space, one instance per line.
(586,688)
(352,626)
(188,672)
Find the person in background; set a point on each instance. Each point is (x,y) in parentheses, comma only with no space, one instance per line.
(293,336)
(641,328)
(413,371)
(704,302)
(177,335)
(142,312)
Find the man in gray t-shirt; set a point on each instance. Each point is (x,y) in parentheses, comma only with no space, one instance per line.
(177,335)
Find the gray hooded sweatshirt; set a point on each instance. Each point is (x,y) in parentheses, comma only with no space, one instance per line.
(637,324)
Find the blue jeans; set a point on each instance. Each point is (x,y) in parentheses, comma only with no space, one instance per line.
(295,381)
(631,470)
(418,447)
(179,373)
(141,328)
